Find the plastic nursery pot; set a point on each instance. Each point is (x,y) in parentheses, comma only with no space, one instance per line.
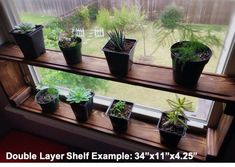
(73,54)
(188,74)
(120,62)
(119,124)
(83,110)
(31,43)
(47,106)
(167,136)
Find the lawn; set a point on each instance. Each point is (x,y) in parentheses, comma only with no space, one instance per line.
(140,95)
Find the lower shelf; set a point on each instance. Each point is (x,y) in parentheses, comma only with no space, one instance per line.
(138,131)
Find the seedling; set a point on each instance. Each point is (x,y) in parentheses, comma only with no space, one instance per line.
(119,109)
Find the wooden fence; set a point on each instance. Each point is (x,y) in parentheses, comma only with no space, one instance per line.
(196,11)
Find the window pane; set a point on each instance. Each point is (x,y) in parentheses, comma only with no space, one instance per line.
(139,95)
(137,18)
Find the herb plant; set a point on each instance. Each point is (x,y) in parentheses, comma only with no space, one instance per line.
(117,39)
(23,28)
(79,95)
(175,115)
(119,109)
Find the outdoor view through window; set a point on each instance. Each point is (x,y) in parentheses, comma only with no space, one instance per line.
(141,20)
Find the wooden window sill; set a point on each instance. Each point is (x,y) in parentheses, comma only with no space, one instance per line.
(138,131)
(210,86)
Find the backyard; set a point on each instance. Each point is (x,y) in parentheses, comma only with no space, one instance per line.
(93,45)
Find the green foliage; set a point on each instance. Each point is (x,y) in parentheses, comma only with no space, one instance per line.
(63,79)
(23,28)
(188,51)
(93,11)
(78,95)
(170,17)
(83,17)
(177,111)
(105,20)
(118,108)
(52,91)
(170,23)
(124,19)
(117,39)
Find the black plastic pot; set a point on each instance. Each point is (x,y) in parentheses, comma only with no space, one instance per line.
(73,55)
(83,110)
(119,62)
(188,74)
(119,124)
(31,43)
(167,137)
(48,106)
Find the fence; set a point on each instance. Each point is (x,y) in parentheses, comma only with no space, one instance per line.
(196,11)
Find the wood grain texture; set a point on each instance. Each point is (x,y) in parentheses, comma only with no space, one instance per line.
(11,78)
(138,131)
(215,137)
(210,86)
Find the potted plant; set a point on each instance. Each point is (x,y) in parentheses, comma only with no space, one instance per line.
(70,44)
(81,101)
(173,124)
(191,54)
(119,53)
(29,37)
(48,99)
(188,61)
(119,113)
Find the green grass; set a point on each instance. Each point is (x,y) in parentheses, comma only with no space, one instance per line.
(136,94)
(35,18)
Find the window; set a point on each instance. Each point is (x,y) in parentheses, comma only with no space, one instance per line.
(92,19)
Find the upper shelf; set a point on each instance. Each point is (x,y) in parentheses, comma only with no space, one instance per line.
(210,86)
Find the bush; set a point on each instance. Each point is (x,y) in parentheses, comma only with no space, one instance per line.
(83,17)
(105,20)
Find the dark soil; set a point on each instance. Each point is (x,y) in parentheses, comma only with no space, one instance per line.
(127,46)
(179,129)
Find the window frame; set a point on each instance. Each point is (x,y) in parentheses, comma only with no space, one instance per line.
(14,19)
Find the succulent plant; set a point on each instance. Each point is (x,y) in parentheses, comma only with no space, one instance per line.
(78,95)
(117,39)
(178,106)
(69,39)
(23,28)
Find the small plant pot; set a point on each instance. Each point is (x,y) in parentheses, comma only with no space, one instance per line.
(119,124)
(120,62)
(167,136)
(49,106)
(31,43)
(83,110)
(188,74)
(73,55)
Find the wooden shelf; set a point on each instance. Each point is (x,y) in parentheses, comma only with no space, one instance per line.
(138,131)
(210,86)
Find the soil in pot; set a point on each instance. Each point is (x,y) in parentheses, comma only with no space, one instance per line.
(120,121)
(83,110)
(170,135)
(120,62)
(48,102)
(188,73)
(72,54)
(31,43)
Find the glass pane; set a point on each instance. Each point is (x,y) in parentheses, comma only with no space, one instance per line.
(94,18)
(139,95)
(137,18)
